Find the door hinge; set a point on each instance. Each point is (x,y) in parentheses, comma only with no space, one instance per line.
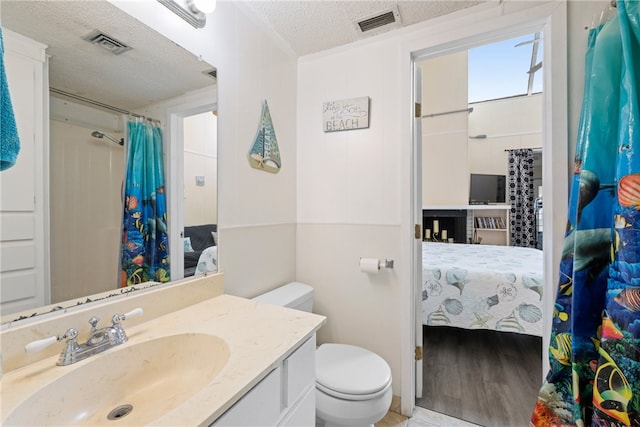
(418,353)
(418,110)
(417,233)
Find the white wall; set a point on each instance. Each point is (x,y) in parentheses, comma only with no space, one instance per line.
(582,14)
(349,187)
(201,160)
(349,197)
(86,211)
(257,210)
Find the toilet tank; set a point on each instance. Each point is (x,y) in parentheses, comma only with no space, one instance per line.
(293,295)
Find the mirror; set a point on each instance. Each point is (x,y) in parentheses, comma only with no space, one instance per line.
(91,91)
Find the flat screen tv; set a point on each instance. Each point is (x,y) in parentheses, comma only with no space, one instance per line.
(487,189)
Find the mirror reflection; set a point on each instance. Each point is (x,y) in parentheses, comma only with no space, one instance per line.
(105,71)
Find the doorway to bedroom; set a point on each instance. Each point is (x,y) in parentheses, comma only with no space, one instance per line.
(482,259)
(200,207)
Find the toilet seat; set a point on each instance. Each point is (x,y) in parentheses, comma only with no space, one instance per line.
(350,372)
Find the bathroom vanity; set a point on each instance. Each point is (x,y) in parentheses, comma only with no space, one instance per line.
(222,361)
(285,397)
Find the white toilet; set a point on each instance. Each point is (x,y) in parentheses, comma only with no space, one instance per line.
(353,385)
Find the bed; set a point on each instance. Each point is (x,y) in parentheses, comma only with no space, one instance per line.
(482,287)
(197,238)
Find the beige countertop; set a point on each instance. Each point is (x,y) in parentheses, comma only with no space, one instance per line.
(258,335)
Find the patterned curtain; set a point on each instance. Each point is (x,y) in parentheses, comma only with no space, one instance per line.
(522,198)
(145,243)
(594,349)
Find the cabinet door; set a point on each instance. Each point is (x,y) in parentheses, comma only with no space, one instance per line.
(261,406)
(304,413)
(299,371)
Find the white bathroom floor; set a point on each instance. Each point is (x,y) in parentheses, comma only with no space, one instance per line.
(422,418)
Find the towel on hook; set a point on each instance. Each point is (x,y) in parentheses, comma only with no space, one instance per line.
(9,140)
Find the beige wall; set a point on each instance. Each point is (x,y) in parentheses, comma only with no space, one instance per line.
(508,123)
(447,152)
(445,158)
(361,308)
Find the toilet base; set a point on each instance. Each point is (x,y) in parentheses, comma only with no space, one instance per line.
(332,412)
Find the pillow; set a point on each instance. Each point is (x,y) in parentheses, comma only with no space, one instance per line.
(208,261)
(187,244)
(214,236)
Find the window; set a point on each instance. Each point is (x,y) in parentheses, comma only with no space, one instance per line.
(504,69)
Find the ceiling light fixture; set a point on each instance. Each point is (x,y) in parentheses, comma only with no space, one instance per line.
(204,6)
(192,11)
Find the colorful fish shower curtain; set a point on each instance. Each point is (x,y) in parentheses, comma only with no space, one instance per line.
(594,352)
(145,243)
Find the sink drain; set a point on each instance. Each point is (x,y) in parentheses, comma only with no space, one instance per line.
(120,412)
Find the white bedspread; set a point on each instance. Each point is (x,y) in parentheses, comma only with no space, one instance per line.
(482,287)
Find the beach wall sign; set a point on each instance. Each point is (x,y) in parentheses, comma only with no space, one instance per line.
(347,114)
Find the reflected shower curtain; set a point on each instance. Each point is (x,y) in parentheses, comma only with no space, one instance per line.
(145,243)
(521,198)
(594,352)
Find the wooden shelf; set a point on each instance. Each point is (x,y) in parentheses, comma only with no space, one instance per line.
(467,207)
(489,219)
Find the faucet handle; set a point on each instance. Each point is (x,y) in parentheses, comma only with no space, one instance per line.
(38,345)
(94,323)
(121,336)
(117,318)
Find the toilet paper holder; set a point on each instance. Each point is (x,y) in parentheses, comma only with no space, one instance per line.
(374,265)
(385,263)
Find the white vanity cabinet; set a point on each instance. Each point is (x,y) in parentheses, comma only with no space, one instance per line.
(285,397)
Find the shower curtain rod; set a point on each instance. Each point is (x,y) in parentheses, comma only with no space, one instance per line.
(100,104)
(465,110)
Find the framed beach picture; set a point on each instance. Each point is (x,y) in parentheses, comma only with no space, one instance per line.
(346,114)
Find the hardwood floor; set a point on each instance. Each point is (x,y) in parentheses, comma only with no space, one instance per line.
(484,377)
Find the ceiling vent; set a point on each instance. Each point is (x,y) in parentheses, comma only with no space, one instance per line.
(387,18)
(107,42)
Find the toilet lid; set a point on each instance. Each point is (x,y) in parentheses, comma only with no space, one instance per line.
(351,370)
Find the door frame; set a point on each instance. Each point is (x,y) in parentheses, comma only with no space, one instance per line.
(472,27)
(195,103)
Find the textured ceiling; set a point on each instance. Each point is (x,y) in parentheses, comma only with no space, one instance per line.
(140,77)
(311,26)
(147,73)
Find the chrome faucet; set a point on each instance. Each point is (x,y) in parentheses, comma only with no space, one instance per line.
(99,340)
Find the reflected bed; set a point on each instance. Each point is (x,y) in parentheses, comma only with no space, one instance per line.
(482,287)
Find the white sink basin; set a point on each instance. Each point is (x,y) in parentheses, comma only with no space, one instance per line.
(153,377)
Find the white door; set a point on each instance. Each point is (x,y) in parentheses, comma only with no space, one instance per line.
(416,164)
(23,272)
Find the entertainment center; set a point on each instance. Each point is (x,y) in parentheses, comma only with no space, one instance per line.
(483,224)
